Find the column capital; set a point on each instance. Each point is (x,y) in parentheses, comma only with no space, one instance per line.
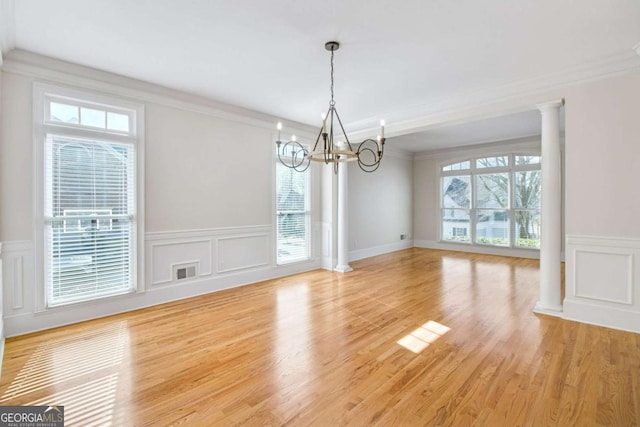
(550,105)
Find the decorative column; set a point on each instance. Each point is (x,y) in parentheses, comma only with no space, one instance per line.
(343,220)
(551,210)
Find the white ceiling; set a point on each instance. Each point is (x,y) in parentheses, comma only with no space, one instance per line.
(269,56)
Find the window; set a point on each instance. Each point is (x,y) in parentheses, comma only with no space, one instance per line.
(456,166)
(456,201)
(492,201)
(293,215)
(89,195)
(460,231)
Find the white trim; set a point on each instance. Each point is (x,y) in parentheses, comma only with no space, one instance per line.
(204,232)
(595,314)
(479,249)
(41,93)
(603,281)
(604,241)
(379,250)
(19,324)
(73,75)
(220,268)
(636,48)
(527,143)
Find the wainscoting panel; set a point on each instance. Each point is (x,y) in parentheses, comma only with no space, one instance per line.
(17,258)
(242,252)
(165,255)
(603,281)
(604,276)
(223,258)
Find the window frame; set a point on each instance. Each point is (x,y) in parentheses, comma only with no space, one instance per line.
(472,172)
(43,95)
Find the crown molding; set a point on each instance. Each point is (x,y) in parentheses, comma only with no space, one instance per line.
(43,68)
(465,105)
(396,153)
(523,143)
(7,27)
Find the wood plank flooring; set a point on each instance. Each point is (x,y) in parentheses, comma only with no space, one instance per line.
(416,337)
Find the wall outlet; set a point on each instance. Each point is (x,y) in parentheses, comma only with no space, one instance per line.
(403,236)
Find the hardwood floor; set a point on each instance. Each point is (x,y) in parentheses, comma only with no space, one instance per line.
(417,337)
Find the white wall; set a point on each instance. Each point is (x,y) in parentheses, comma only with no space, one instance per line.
(602,203)
(205,172)
(209,172)
(381,206)
(1,203)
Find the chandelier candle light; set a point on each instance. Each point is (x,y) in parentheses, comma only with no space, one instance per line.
(328,148)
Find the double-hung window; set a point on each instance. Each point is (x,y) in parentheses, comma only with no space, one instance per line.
(89,150)
(293,214)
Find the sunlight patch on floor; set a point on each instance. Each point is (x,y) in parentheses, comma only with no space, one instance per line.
(59,361)
(420,338)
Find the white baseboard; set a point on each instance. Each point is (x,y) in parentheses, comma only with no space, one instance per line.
(596,314)
(478,249)
(379,250)
(223,258)
(20,324)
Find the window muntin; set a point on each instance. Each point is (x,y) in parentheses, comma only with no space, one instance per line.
(527,160)
(89,188)
(85,115)
(492,162)
(293,215)
(456,201)
(457,166)
(496,201)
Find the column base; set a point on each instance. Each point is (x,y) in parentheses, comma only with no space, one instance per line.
(549,310)
(343,268)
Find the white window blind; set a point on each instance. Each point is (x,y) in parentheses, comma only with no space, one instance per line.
(90,209)
(293,214)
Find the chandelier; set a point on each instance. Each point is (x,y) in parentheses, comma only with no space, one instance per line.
(332,144)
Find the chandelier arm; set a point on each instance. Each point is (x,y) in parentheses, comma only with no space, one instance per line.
(369,169)
(342,128)
(315,146)
(298,159)
(369,147)
(365,149)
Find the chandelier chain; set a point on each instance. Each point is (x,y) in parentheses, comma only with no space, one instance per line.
(332,101)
